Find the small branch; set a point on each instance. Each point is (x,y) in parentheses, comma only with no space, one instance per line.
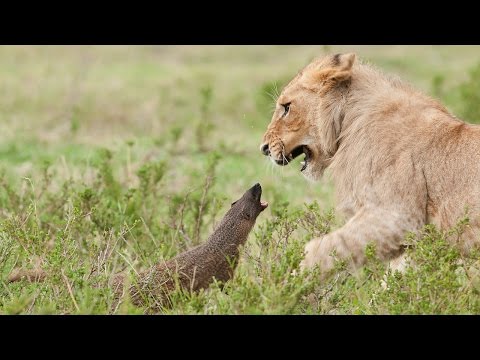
(33,301)
(178,227)
(202,207)
(70,291)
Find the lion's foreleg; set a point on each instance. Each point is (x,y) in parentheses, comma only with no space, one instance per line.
(385,229)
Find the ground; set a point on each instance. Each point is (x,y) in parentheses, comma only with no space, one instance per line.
(116,157)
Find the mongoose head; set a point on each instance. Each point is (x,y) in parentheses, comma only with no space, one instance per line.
(249,206)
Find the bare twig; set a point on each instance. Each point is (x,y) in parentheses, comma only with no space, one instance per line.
(70,290)
(198,224)
(33,301)
(179,227)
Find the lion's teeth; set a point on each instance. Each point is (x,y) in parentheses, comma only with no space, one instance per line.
(303,163)
(290,157)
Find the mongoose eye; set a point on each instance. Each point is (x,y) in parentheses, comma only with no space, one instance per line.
(234,202)
(287,108)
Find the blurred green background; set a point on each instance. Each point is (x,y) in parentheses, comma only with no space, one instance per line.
(59,103)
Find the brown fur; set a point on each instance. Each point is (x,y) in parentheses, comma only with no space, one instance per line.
(36,275)
(197,268)
(398,158)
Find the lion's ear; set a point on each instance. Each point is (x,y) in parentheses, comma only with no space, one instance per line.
(342,66)
(338,69)
(344,61)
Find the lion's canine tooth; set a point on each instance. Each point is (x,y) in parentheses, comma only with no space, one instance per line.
(302,163)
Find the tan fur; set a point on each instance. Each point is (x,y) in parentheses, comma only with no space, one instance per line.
(36,275)
(398,158)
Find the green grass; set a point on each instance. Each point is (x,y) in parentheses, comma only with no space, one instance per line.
(105,156)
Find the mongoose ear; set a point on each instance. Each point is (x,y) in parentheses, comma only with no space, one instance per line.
(247,215)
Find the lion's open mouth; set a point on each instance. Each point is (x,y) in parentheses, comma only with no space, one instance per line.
(299,150)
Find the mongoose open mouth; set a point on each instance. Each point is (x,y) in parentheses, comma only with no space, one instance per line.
(256,191)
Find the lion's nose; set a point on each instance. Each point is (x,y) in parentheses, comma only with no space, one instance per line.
(265,150)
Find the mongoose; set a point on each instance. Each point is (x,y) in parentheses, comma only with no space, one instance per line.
(196,269)
(37,275)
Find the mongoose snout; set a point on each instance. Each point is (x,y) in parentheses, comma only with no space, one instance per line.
(252,202)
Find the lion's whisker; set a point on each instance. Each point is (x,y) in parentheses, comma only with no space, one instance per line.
(272,96)
(277,93)
(269,166)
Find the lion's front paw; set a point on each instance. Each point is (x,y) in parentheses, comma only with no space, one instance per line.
(312,255)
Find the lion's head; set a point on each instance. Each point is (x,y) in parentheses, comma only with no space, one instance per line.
(308,114)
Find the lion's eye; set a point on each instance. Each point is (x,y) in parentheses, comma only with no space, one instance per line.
(287,108)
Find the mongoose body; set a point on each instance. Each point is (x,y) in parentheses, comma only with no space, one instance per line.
(37,275)
(197,268)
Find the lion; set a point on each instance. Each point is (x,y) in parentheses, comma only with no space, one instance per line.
(398,158)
